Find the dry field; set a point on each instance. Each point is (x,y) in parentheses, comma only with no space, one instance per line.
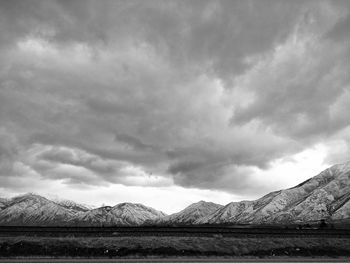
(148,246)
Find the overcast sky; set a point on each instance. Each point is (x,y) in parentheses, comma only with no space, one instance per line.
(171,102)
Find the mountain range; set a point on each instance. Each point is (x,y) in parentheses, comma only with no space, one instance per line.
(324,196)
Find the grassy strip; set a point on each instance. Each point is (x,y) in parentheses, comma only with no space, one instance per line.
(172,246)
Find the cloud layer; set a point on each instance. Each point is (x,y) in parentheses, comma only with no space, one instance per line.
(198,94)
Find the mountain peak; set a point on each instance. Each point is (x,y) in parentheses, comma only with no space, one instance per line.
(200,205)
(120,214)
(128,204)
(341,168)
(33,209)
(202,202)
(69,204)
(191,213)
(29,197)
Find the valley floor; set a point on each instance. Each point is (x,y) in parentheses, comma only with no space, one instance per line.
(189,260)
(173,246)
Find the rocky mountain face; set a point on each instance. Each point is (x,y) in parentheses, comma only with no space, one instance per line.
(31,209)
(73,206)
(3,203)
(191,213)
(325,196)
(125,214)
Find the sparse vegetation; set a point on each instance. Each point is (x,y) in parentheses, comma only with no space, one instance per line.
(172,246)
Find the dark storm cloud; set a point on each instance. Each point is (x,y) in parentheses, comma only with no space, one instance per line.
(299,90)
(134,142)
(184,167)
(201,92)
(340,31)
(217,35)
(78,158)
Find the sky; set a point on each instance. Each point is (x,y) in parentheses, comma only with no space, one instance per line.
(167,103)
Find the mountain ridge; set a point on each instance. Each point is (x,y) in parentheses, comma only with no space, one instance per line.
(307,201)
(33,209)
(120,214)
(324,196)
(191,213)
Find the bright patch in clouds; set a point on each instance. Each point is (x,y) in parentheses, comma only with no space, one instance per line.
(168,103)
(292,170)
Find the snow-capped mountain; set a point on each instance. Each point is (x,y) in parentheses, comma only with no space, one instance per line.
(71,205)
(120,214)
(325,196)
(31,209)
(191,213)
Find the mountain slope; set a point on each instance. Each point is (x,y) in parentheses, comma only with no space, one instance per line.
(325,196)
(191,213)
(121,214)
(3,203)
(72,206)
(31,209)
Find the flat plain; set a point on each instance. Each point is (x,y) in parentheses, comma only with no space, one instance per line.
(221,244)
(178,260)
